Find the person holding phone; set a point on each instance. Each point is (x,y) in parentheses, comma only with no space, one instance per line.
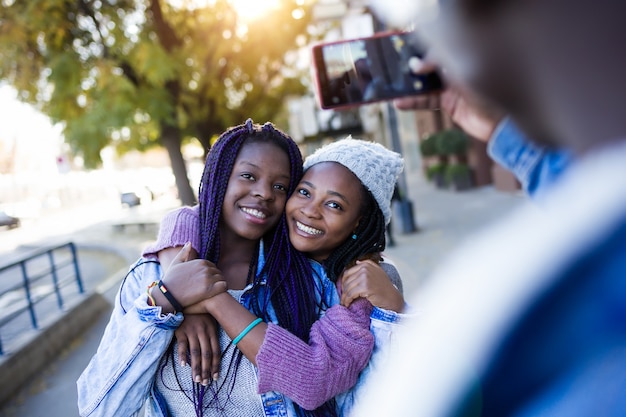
(528,317)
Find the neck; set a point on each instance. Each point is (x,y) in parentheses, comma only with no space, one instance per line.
(236,254)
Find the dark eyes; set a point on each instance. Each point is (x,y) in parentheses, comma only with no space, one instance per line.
(249,176)
(331,204)
(303,192)
(280,187)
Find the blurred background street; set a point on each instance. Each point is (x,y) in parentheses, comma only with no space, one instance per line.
(109,109)
(445,219)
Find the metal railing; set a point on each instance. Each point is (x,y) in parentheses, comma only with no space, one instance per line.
(27,285)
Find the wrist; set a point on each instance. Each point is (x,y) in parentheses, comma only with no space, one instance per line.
(213,305)
(160,300)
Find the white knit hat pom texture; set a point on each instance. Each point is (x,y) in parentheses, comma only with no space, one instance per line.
(377,167)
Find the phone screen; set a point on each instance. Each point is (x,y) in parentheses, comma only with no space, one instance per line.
(370,69)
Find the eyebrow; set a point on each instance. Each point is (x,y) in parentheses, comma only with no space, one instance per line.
(333,193)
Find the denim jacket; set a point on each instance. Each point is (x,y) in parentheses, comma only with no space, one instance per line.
(533,165)
(120,377)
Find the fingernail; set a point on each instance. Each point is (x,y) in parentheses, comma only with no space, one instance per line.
(216,376)
(198,379)
(183,364)
(205,382)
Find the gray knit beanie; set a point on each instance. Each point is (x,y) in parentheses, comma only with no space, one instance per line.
(377,167)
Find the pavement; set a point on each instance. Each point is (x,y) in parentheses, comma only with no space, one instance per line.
(445,219)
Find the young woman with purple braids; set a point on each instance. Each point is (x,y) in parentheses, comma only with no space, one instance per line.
(336,216)
(249,173)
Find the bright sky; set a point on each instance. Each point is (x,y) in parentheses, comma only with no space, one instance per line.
(37,142)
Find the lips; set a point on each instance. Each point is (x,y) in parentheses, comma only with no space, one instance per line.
(308,229)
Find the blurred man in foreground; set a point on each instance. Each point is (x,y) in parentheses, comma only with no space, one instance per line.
(529,318)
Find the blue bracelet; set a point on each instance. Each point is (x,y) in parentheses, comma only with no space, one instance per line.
(246,330)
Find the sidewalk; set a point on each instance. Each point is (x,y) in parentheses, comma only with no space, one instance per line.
(444,218)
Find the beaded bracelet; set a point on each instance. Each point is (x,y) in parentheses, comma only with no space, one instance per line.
(170,297)
(246,330)
(151,300)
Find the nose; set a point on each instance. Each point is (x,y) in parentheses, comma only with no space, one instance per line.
(263,190)
(310,210)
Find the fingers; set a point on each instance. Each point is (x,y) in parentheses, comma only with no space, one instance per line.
(206,358)
(429,101)
(216,357)
(183,348)
(217,288)
(449,100)
(182,255)
(195,354)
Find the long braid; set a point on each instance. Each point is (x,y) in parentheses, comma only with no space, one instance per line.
(370,238)
(288,272)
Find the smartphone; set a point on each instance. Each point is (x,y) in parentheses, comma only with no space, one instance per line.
(365,70)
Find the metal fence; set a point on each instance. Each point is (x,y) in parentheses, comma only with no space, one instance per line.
(34,287)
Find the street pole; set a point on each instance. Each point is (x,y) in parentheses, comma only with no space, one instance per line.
(404,206)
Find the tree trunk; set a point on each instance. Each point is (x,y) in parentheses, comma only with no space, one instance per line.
(172,142)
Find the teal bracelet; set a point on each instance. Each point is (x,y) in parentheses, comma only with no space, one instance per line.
(246,330)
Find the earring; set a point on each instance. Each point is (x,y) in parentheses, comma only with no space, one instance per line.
(354,236)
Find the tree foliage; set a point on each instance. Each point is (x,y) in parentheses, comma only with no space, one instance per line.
(137,73)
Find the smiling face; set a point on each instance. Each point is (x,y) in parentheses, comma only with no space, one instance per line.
(257,191)
(324,210)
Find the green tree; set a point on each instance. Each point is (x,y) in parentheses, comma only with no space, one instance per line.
(138,73)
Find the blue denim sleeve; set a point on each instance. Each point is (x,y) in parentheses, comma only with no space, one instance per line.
(533,165)
(119,377)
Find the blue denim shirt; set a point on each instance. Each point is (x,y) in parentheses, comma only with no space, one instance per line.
(120,377)
(533,165)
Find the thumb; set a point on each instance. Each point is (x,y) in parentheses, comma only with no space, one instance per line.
(182,255)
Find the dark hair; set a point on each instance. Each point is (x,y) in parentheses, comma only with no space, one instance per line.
(369,237)
(288,273)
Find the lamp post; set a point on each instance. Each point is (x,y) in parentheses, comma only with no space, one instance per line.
(404,205)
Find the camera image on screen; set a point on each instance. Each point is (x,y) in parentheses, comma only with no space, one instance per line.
(370,69)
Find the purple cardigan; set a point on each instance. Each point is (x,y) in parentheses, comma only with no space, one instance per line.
(340,343)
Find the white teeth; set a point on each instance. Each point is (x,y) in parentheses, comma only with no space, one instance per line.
(307,229)
(253,212)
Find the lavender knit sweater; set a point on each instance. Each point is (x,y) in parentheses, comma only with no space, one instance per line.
(340,343)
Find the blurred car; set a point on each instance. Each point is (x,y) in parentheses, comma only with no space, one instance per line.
(9,221)
(135,197)
(130,199)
